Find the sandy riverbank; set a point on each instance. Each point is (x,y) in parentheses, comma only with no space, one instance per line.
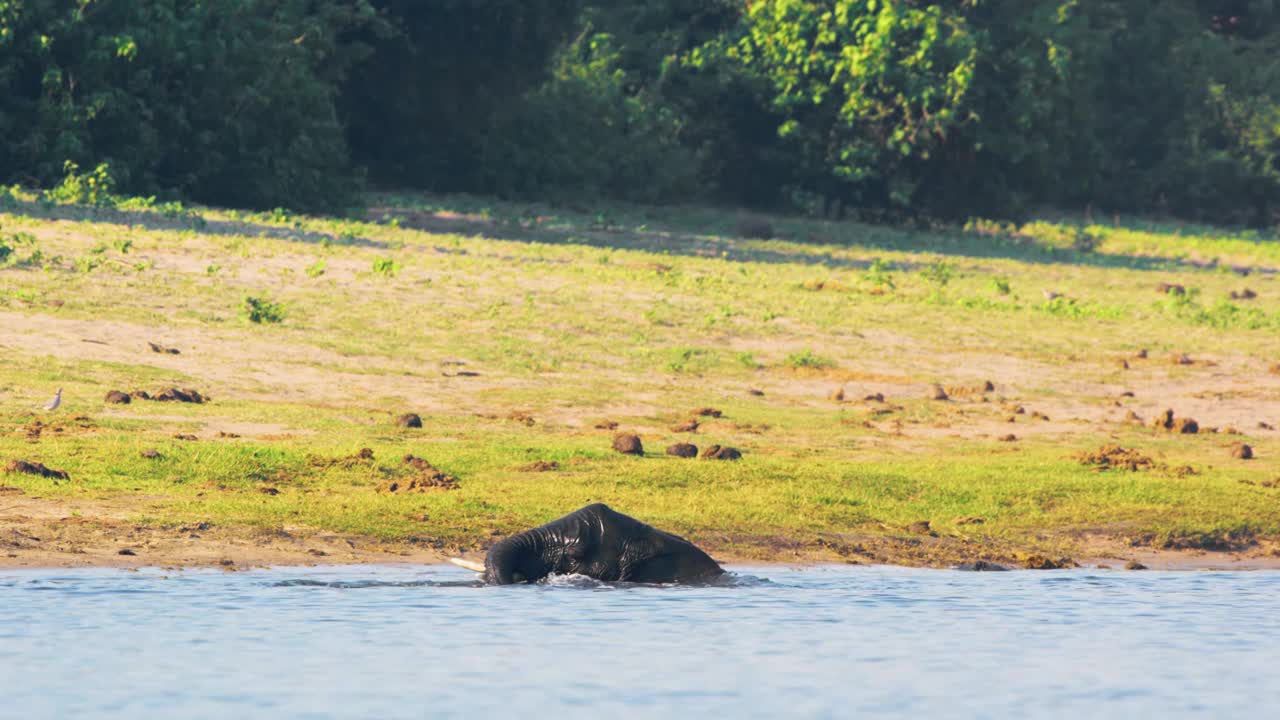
(39,533)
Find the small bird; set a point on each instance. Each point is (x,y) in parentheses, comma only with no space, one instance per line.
(57,400)
(1051,295)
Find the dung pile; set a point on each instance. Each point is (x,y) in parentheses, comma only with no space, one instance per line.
(34,468)
(364,457)
(1167,421)
(1114,457)
(628,444)
(428,478)
(716,452)
(683,450)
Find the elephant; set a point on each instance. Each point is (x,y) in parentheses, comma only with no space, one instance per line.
(600,543)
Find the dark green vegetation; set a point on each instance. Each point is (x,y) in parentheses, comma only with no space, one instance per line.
(889,109)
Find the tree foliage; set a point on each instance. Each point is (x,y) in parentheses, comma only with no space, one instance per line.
(882,107)
(226,101)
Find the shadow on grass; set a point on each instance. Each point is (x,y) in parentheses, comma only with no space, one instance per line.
(810,242)
(191,220)
(807,241)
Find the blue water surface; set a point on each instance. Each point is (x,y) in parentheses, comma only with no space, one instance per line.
(840,642)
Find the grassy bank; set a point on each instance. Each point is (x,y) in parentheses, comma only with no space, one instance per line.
(522,334)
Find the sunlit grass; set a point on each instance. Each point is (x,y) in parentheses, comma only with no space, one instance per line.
(633,314)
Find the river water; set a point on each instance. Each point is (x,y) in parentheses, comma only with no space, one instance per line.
(415,642)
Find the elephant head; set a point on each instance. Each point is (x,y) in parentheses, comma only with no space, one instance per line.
(600,543)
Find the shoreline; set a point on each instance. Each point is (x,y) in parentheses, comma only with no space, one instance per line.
(40,533)
(47,546)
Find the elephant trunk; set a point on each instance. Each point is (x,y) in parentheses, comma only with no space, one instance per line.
(516,559)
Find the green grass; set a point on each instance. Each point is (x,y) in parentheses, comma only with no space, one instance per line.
(476,309)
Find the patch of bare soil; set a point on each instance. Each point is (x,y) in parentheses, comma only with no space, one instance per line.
(967,391)
(540,466)
(688,426)
(521,417)
(38,532)
(280,369)
(37,428)
(363,457)
(828,285)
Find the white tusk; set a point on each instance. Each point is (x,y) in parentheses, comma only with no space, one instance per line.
(468,564)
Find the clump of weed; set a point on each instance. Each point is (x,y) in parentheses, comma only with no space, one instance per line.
(939,273)
(1000,286)
(93,188)
(10,243)
(261,310)
(808,359)
(316,269)
(880,274)
(690,359)
(386,267)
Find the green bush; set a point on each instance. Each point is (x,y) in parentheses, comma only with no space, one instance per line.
(261,310)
